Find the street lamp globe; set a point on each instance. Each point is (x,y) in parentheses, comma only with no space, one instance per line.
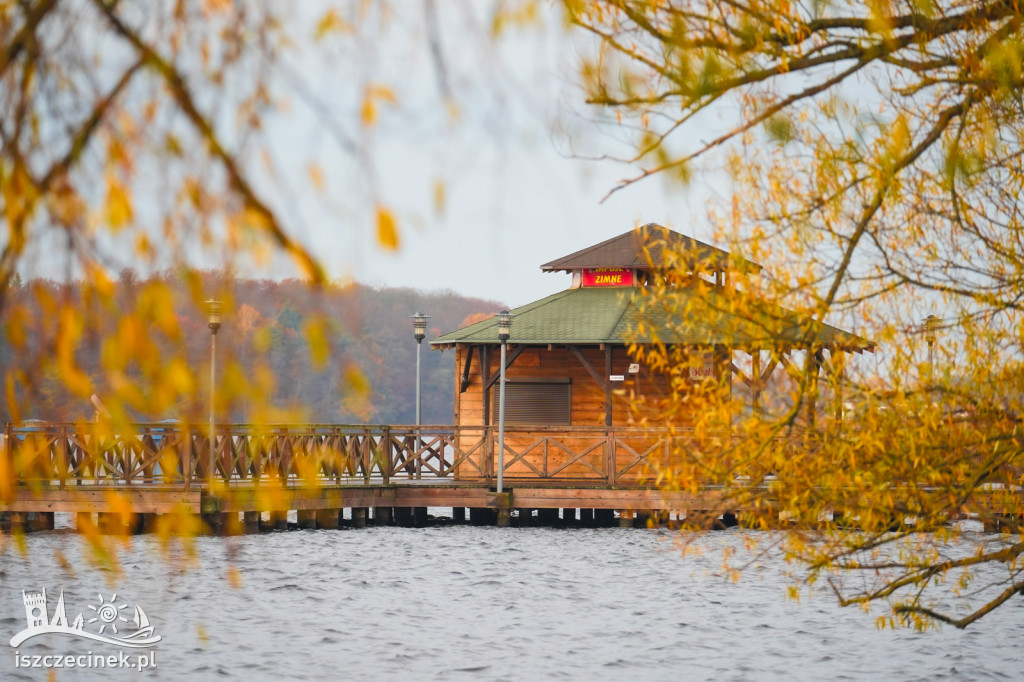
(213,308)
(419,325)
(504,325)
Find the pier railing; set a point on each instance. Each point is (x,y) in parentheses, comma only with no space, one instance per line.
(56,455)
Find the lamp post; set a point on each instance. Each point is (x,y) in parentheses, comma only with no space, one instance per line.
(931,323)
(419,330)
(213,308)
(504,328)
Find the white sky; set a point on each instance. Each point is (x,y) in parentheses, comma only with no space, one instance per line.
(516,195)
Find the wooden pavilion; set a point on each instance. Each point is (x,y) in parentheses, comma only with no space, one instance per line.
(574,439)
(568,365)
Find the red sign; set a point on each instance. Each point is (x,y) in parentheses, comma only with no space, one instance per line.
(607,277)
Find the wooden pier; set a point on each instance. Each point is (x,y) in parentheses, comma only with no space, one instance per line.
(352,475)
(335,474)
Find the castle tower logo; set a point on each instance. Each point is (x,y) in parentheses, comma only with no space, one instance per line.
(110,619)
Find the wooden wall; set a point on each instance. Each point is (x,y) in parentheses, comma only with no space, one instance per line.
(588,398)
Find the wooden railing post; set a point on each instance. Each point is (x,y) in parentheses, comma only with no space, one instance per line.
(8,455)
(609,456)
(62,457)
(186,459)
(385,452)
(489,453)
(367,455)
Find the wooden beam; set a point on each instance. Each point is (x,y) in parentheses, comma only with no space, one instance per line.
(508,363)
(105,499)
(608,385)
(794,373)
(738,372)
(589,367)
(755,370)
(768,371)
(837,378)
(485,371)
(465,371)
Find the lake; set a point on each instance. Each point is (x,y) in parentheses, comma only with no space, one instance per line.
(478,603)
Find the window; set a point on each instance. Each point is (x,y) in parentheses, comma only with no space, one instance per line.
(539,402)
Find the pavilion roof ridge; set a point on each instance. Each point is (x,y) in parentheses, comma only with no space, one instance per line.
(646,245)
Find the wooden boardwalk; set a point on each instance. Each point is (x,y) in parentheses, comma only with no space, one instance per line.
(331,475)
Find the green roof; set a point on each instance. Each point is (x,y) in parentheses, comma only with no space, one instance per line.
(698,315)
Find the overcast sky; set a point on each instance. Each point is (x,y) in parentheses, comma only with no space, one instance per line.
(518,194)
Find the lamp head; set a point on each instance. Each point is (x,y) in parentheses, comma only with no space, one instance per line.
(504,325)
(931,323)
(213,308)
(419,325)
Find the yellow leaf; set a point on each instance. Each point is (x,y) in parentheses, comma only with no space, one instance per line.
(369,111)
(387,231)
(217,5)
(319,346)
(119,203)
(329,23)
(439,197)
(316,176)
(355,380)
(375,93)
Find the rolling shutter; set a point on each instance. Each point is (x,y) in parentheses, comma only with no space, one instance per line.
(539,403)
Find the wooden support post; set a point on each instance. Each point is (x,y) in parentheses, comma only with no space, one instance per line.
(19,522)
(306,519)
(251,523)
(608,385)
(626,519)
(459,514)
(382,516)
(213,523)
(547,517)
(84,522)
(504,517)
(328,518)
(233,524)
(419,517)
(279,520)
(109,524)
(604,518)
(359,517)
(403,517)
(43,521)
(149,522)
(481,516)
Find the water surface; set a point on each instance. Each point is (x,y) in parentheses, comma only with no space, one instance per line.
(484,603)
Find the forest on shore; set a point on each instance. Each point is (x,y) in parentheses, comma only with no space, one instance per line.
(335,354)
